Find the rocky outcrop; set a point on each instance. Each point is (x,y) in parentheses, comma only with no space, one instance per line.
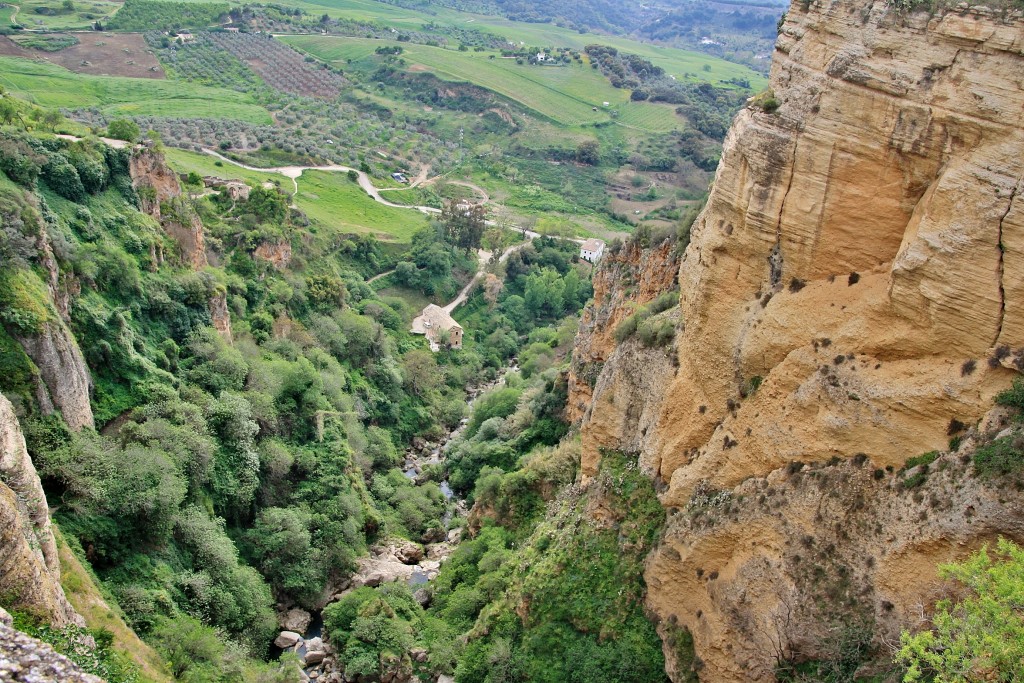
(853,287)
(279,254)
(29,565)
(160,196)
(24,659)
(626,278)
(220,316)
(66,382)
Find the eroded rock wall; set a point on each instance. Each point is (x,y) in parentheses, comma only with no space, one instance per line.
(66,382)
(29,566)
(159,190)
(625,279)
(855,284)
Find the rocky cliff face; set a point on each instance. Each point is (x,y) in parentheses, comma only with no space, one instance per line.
(159,190)
(626,279)
(29,566)
(26,660)
(855,284)
(66,380)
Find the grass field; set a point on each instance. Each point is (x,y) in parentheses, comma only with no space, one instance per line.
(563,94)
(204,164)
(656,118)
(334,201)
(329,199)
(56,18)
(49,85)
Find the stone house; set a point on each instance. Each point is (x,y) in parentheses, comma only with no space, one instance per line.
(434,322)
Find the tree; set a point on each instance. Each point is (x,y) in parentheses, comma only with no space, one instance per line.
(51,118)
(123,129)
(8,110)
(588,153)
(464,223)
(981,636)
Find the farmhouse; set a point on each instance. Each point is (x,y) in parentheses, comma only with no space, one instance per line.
(435,323)
(592,250)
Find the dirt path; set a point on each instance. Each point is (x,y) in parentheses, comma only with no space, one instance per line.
(379,276)
(294,172)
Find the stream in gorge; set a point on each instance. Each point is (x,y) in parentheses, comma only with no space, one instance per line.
(396,559)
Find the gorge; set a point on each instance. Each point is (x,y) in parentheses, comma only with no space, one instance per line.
(746,460)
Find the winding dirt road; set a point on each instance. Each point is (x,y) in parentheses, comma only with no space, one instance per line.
(294,172)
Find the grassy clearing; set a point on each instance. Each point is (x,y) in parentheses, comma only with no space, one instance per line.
(334,201)
(658,118)
(49,85)
(204,164)
(82,590)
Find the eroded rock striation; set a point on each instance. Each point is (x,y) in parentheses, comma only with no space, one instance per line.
(29,566)
(853,287)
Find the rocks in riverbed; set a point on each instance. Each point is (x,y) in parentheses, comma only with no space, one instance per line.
(408,552)
(287,639)
(423,596)
(295,619)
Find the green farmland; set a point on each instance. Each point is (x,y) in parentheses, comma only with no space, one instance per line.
(337,203)
(48,85)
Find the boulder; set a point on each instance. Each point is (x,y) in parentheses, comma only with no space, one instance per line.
(287,639)
(295,619)
(434,535)
(423,597)
(409,552)
(443,678)
(314,644)
(418,654)
(315,657)
(455,535)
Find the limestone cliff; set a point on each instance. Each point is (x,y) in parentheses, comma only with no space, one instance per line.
(26,660)
(29,564)
(66,382)
(627,278)
(160,196)
(854,285)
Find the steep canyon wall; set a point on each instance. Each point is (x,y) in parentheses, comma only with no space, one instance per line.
(855,284)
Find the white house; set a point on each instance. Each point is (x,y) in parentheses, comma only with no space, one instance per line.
(592,250)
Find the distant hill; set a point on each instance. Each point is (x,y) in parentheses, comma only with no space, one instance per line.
(739,31)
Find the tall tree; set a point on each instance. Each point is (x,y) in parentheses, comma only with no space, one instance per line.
(464,223)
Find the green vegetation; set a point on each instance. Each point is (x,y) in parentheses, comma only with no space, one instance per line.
(149,15)
(333,200)
(574,614)
(978,635)
(49,85)
(57,15)
(101,660)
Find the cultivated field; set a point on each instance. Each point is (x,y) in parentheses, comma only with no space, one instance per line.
(675,61)
(566,94)
(49,85)
(280,66)
(98,54)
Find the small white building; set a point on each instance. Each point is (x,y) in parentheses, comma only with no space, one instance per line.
(592,250)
